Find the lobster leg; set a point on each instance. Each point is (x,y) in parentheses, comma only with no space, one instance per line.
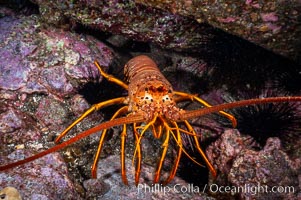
(119,112)
(110,77)
(164,151)
(122,155)
(186,96)
(157,132)
(138,137)
(143,131)
(100,105)
(93,108)
(177,160)
(198,147)
(180,150)
(139,158)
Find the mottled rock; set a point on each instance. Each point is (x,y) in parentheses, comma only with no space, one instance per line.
(269,173)
(51,112)
(25,65)
(9,121)
(79,104)
(45,178)
(14,124)
(132,20)
(41,69)
(112,187)
(223,151)
(256,173)
(183,24)
(271,24)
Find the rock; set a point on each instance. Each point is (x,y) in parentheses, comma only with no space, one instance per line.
(268,173)
(41,69)
(46,177)
(259,174)
(112,187)
(132,20)
(223,151)
(270,24)
(182,25)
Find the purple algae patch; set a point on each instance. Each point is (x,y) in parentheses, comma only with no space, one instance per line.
(13,73)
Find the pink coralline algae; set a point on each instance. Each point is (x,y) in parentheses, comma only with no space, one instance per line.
(225,149)
(26,67)
(269,17)
(227,20)
(12,125)
(45,178)
(14,72)
(267,170)
(257,172)
(40,70)
(9,121)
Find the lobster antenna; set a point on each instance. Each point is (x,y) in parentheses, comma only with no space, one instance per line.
(105,125)
(208,110)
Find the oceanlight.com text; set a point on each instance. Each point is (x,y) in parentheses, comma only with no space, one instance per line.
(214,188)
(250,189)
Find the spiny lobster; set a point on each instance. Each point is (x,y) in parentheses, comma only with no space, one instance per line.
(151,104)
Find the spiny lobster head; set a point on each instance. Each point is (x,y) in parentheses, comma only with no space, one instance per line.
(150,93)
(155,98)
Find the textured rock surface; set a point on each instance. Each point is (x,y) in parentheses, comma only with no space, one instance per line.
(274,25)
(45,178)
(226,149)
(268,173)
(269,168)
(112,188)
(40,70)
(131,20)
(271,24)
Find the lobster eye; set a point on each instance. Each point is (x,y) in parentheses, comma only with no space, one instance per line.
(148,97)
(166,98)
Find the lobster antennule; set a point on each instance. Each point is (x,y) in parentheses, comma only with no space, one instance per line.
(105,125)
(205,111)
